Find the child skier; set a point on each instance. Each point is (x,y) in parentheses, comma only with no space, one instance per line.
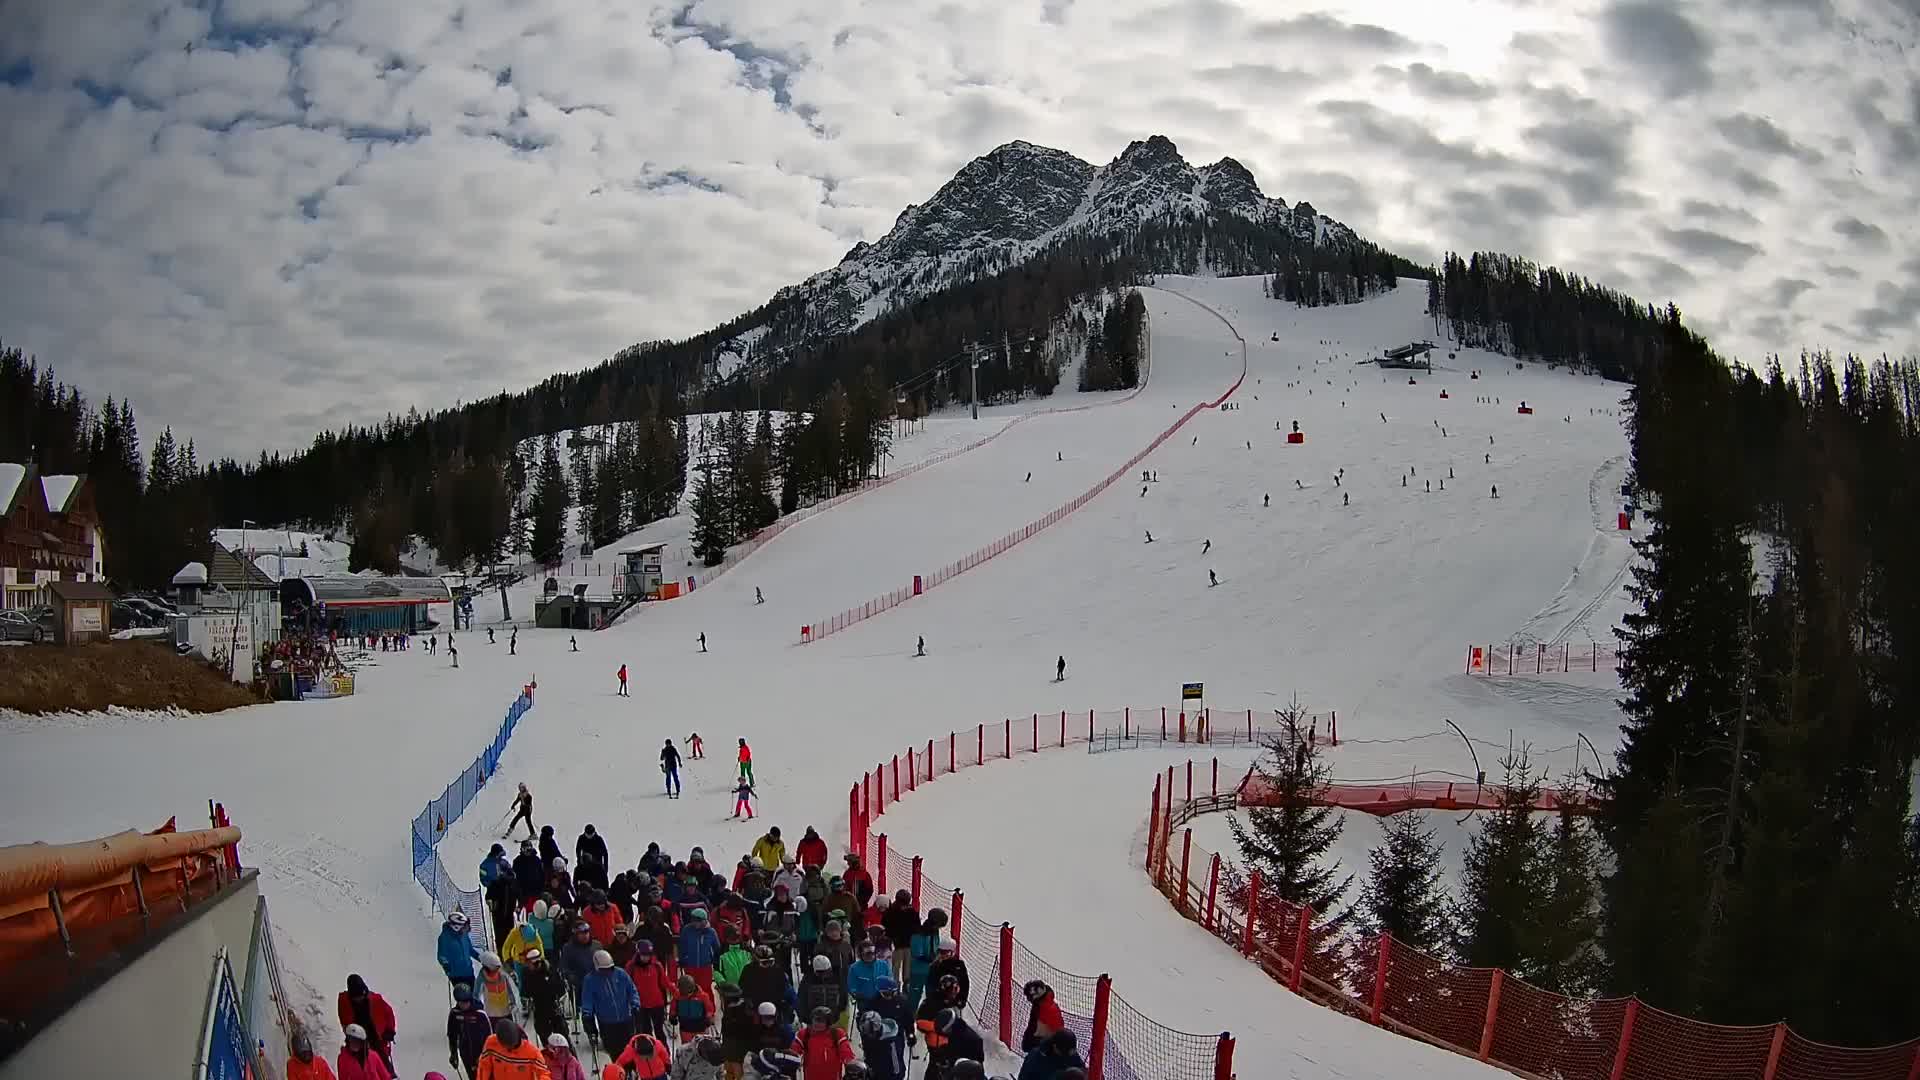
(694,741)
(742,798)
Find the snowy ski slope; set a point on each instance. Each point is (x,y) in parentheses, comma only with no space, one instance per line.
(1364,608)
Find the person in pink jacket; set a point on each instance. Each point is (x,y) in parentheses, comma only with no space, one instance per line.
(560,1060)
(358,1061)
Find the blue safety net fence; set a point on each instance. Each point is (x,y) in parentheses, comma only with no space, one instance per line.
(433,822)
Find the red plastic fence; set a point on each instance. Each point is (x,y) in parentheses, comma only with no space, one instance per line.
(1117,1040)
(1482,1013)
(922,582)
(1539,658)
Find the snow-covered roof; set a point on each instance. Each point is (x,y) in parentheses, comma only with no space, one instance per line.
(10,477)
(194,573)
(59,489)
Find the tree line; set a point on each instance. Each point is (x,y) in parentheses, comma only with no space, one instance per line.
(1507,304)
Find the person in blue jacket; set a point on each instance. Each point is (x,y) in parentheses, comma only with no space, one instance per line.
(494,865)
(699,948)
(924,949)
(609,1003)
(864,974)
(1053,1058)
(456,951)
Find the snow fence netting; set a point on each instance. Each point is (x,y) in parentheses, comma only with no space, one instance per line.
(440,814)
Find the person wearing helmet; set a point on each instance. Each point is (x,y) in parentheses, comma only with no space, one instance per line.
(498,996)
(549,845)
(958,1042)
(947,962)
(864,976)
(891,1004)
(769,1031)
(562,1064)
(648,1058)
(923,949)
(359,1005)
(901,922)
(357,1060)
(967,1069)
(456,951)
(1043,1018)
(609,1004)
(770,1064)
(599,915)
(699,1059)
(764,981)
(698,948)
(692,1009)
(543,989)
(468,1028)
(1052,1058)
(540,917)
(857,1070)
(822,1047)
(882,1047)
(821,989)
(560,882)
(836,946)
(497,882)
(769,851)
(303,1063)
(510,1055)
(737,1024)
(517,943)
(656,989)
(858,880)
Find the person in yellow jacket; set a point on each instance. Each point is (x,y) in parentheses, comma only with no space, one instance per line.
(522,940)
(770,850)
(510,1055)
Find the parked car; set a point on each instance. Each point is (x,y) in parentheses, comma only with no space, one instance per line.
(127,617)
(156,612)
(21,626)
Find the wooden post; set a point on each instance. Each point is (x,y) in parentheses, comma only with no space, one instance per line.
(980,754)
(1626,1040)
(896,778)
(959,914)
(1216,777)
(1183,725)
(1006,986)
(1163,723)
(1097,1048)
(880,871)
(1253,914)
(879,805)
(1153,823)
(853,819)
(1493,1012)
(913,772)
(1126,722)
(1380,978)
(1189,779)
(1213,888)
(1008,736)
(1773,1051)
(916,883)
(952,737)
(1186,860)
(1089,725)
(1223,1058)
(1301,935)
(1063,727)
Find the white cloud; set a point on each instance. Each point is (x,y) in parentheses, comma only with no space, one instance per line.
(318,212)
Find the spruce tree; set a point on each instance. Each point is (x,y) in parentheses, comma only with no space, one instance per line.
(1568,960)
(1504,883)
(1289,843)
(551,501)
(711,518)
(1403,894)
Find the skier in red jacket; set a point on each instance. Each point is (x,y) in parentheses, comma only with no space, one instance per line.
(812,850)
(358,1005)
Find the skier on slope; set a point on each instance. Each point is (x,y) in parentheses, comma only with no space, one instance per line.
(920,646)
(670,765)
(703,641)
(1059,670)
(622,676)
(758,596)
(745,758)
(1206,547)
(743,798)
(698,746)
(529,874)
(523,811)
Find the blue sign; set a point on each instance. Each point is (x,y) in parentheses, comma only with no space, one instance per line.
(227,1043)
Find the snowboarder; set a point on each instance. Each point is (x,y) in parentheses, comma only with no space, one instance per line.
(1336,479)
(920,646)
(703,641)
(670,765)
(1449,472)
(622,676)
(1403,479)
(1143,491)
(1298,486)
(1059,675)
(1149,536)
(742,798)
(523,811)
(1212,580)
(1206,547)
(698,746)
(758,596)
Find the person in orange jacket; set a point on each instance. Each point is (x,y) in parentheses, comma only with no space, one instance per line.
(648,1057)
(822,1047)
(304,1064)
(746,762)
(510,1055)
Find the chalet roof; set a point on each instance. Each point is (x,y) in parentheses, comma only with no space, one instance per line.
(59,491)
(79,590)
(226,569)
(10,476)
(355,589)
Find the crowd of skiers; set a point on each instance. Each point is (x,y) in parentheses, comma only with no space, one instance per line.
(674,969)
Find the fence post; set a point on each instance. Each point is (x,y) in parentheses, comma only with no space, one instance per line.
(1773,1051)
(1063,727)
(1007,734)
(1163,723)
(896,778)
(1626,1039)
(959,914)
(1126,722)
(913,772)
(1493,1012)
(1300,936)
(1183,725)
(1089,725)
(1216,777)
(1333,725)
(1036,733)
(980,751)
(1186,859)
(1223,1058)
(1153,823)
(879,808)
(853,818)
(933,768)
(1253,913)
(952,737)
(1380,978)
(1006,985)
(1213,887)
(1097,1049)
(880,874)
(1189,779)
(916,883)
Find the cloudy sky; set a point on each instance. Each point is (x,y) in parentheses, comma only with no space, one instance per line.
(262,217)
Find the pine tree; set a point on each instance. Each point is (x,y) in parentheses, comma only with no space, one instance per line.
(1568,960)
(711,517)
(1289,843)
(1504,883)
(550,503)
(1403,895)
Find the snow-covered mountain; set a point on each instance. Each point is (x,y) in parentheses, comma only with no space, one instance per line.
(1015,203)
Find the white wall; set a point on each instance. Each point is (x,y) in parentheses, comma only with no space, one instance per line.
(145,1020)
